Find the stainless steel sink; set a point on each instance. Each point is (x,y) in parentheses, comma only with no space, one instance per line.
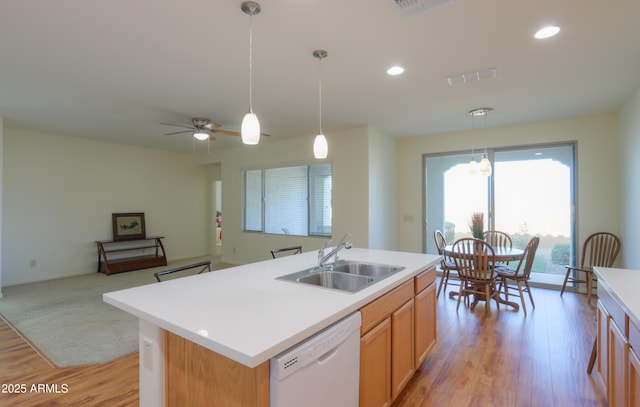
(348,276)
(365,269)
(339,281)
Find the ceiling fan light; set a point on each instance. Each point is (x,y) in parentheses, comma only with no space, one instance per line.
(320,147)
(250,130)
(201,135)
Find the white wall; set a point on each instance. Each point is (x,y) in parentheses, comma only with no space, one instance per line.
(60,192)
(382,206)
(629,168)
(348,153)
(597,171)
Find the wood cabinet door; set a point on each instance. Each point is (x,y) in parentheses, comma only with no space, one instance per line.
(375,366)
(425,323)
(603,347)
(402,350)
(633,387)
(618,359)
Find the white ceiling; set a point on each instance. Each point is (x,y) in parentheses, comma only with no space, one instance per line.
(115,70)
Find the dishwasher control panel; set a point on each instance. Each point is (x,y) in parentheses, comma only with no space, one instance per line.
(316,348)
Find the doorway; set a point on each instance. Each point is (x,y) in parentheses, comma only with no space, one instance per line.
(216,210)
(531,192)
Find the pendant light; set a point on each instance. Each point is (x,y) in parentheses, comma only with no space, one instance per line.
(473,164)
(485,164)
(320,147)
(250,130)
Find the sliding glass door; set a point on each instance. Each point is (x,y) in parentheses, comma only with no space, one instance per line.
(531,192)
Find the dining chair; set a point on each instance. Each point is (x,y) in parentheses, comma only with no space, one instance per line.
(447,267)
(520,275)
(599,250)
(498,239)
(474,259)
(285,251)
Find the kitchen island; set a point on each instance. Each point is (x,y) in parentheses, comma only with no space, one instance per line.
(238,318)
(618,335)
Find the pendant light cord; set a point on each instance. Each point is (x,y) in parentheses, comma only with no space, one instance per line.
(250,63)
(320,92)
(473,137)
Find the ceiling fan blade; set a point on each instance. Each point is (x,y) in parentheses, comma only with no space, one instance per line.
(178,132)
(265,134)
(227,132)
(178,125)
(211,125)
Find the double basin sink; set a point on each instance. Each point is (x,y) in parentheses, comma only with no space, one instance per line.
(345,275)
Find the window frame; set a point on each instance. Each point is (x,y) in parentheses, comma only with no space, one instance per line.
(263,192)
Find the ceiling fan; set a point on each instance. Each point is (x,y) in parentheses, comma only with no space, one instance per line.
(202,129)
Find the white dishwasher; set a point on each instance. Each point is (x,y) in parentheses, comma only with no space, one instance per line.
(322,371)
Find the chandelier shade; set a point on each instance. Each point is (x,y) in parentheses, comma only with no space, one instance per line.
(320,147)
(250,130)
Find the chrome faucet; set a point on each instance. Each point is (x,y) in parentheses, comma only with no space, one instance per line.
(324,258)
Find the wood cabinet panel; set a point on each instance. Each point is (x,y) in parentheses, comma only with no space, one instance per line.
(633,396)
(634,336)
(613,309)
(375,366)
(424,279)
(603,345)
(381,308)
(402,350)
(618,357)
(196,376)
(425,323)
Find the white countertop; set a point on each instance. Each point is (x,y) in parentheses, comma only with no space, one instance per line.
(623,285)
(247,315)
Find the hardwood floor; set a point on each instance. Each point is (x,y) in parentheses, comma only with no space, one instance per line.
(500,359)
(109,384)
(507,359)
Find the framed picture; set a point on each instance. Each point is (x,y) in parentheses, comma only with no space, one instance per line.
(128,226)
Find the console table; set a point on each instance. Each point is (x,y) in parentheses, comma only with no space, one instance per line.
(116,256)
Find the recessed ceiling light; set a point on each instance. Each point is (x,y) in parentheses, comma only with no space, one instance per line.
(547,32)
(395,70)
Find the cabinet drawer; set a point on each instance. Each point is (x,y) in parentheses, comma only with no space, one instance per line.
(634,337)
(615,310)
(423,279)
(381,308)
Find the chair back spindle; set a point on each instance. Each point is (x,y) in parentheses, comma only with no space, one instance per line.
(498,239)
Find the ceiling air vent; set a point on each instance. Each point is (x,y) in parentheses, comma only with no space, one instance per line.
(472,76)
(410,7)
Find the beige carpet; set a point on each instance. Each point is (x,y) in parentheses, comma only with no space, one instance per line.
(68,321)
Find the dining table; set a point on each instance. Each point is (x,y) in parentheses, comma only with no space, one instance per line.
(502,254)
